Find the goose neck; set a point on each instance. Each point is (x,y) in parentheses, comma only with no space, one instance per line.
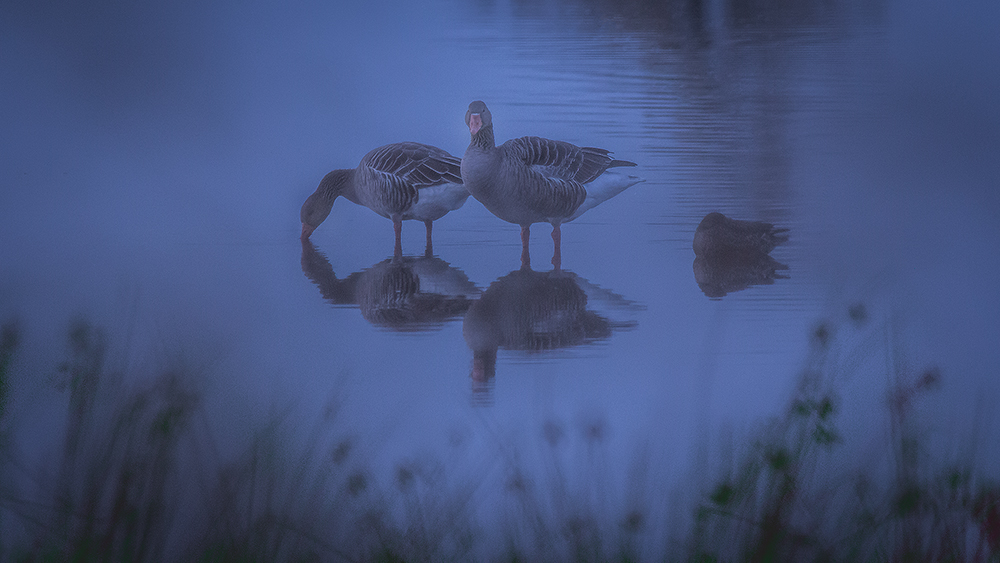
(484,138)
(337,183)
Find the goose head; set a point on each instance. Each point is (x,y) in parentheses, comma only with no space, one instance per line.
(318,205)
(478,117)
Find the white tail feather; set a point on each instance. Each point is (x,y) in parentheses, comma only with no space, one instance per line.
(605,187)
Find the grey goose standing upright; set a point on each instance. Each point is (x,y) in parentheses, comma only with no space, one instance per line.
(398,181)
(534,180)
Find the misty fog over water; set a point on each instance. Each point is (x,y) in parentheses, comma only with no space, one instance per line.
(155,159)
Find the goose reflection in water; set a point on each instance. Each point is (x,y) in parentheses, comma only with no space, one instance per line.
(406,294)
(722,274)
(732,255)
(533,311)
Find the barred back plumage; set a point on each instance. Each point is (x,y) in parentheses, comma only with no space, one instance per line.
(399,181)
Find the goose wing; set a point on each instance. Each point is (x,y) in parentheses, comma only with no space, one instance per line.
(416,164)
(559,159)
(548,173)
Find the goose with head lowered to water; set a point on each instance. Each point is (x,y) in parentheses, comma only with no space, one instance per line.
(534,180)
(398,181)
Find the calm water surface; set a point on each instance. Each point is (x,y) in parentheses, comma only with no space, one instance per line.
(152,183)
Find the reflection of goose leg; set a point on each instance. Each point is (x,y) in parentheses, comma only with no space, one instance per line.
(429,249)
(397,225)
(556,246)
(525,235)
(484,369)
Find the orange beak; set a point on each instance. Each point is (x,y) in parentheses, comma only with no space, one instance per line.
(475,123)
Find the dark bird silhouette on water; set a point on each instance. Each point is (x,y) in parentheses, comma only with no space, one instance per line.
(718,234)
(733,255)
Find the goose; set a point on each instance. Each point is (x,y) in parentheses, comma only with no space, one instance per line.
(534,180)
(718,234)
(398,181)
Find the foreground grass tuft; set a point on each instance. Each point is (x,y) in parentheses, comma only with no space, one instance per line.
(136,478)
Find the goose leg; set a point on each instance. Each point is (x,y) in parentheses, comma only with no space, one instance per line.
(556,246)
(525,257)
(397,225)
(429,249)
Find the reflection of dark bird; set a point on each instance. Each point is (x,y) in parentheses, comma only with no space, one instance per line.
(398,181)
(534,180)
(732,255)
(718,234)
(531,311)
(724,273)
(404,294)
